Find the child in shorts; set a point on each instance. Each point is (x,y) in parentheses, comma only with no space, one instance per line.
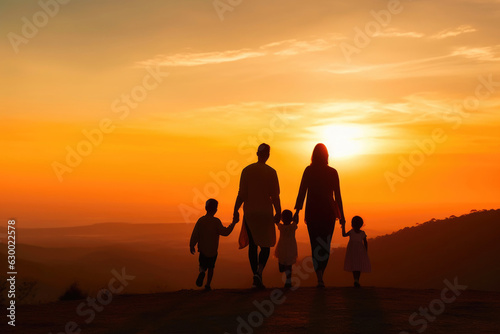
(206,234)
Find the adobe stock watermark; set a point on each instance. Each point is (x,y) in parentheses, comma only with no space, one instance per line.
(455,118)
(87,309)
(223,6)
(94,137)
(436,307)
(31,27)
(220,179)
(265,308)
(363,36)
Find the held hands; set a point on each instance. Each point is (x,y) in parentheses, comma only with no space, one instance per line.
(277,218)
(342,221)
(236,216)
(296,217)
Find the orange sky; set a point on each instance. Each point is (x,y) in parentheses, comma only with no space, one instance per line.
(171,95)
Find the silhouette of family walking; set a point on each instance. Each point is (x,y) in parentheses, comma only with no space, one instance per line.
(259,193)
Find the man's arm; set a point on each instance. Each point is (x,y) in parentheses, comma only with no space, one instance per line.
(237,206)
(242,193)
(277,208)
(275,198)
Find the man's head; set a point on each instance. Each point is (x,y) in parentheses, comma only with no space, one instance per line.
(263,152)
(211,206)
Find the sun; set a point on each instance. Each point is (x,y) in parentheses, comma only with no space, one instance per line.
(344,141)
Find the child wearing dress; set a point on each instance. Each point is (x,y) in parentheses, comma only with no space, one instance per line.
(356,255)
(286,250)
(206,234)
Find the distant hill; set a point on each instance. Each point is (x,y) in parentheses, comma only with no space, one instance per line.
(157,254)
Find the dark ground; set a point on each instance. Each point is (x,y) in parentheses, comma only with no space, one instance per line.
(305,310)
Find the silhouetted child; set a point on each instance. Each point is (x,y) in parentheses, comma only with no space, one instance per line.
(356,255)
(206,234)
(286,250)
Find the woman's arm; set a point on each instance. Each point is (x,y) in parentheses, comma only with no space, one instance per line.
(343,231)
(338,197)
(301,196)
(366,243)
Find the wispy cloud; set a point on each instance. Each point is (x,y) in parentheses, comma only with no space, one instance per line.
(446,33)
(293,46)
(386,70)
(203,58)
(452,32)
(487,53)
(398,33)
(289,47)
(458,58)
(317,113)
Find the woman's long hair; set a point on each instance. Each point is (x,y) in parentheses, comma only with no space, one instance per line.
(320,155)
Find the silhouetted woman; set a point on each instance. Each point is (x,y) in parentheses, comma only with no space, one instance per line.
(323,206)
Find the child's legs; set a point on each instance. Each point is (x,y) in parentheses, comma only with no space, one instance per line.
(202,268)
(207,263)
(202,261)
(287,269)
(356,275)
(210,275)
(210,267)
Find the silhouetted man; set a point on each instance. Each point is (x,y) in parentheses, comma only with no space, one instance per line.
(259,192)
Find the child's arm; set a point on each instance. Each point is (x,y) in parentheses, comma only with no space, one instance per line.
(194,239)
(366,244)
(225,231)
